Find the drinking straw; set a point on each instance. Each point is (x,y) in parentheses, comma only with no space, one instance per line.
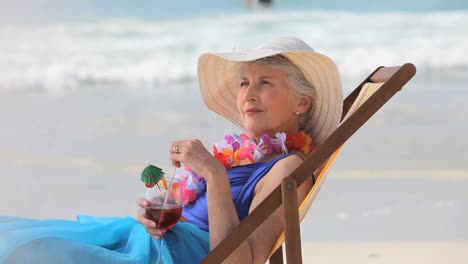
(170,183)
(170,186)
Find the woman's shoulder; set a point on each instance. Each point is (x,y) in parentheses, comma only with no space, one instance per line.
(286,163)
(285,160)
(282,167)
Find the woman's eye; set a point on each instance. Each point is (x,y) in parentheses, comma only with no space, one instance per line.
(242,84)
(264,82)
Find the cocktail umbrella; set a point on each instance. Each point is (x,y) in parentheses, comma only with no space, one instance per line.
(152,175)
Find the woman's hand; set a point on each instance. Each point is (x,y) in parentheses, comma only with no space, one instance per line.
(150,225)
(194,155)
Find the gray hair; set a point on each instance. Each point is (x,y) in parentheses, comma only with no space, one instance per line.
(296,79)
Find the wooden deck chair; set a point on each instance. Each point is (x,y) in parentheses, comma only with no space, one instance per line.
(358,107)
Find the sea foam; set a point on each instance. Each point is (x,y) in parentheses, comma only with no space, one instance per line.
(139,53)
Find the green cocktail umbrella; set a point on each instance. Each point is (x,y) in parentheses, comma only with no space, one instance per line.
(151,175)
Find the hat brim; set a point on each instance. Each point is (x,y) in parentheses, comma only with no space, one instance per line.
(218,82)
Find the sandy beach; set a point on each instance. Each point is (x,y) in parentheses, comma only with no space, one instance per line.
(415,252)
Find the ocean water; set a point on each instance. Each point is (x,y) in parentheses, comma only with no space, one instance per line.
(89,91)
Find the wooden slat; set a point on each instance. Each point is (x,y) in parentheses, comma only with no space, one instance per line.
(245,228)
(277,257)
(291,221)
(349,101)
(383,74)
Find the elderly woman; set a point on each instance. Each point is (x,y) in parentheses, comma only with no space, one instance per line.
(282,86)
(285,97)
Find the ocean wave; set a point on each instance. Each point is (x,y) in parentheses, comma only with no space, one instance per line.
(146,53)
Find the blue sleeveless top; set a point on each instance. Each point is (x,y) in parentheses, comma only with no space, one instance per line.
(122,240)
(243,180)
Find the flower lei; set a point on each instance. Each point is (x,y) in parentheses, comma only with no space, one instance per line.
(235,150)
(240,149)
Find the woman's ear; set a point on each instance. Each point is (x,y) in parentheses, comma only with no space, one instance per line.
(303,104)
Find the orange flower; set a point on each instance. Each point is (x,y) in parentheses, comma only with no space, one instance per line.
(299,141)
(221,157)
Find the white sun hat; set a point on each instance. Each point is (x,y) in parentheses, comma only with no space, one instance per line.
(219,81)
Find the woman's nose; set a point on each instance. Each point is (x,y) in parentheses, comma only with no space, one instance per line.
(251,93)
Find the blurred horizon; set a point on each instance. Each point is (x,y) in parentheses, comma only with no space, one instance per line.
(74,11)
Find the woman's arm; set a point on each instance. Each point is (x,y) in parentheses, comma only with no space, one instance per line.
(222,214)
(263,239)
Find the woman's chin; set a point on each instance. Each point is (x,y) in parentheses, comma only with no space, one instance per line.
(255,131)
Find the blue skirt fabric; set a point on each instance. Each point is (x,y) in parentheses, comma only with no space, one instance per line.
(96,240)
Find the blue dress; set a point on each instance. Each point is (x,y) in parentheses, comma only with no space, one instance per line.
(122,240)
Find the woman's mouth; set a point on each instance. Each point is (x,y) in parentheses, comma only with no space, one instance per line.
(252,111)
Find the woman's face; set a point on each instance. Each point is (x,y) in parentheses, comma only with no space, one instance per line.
(266,103)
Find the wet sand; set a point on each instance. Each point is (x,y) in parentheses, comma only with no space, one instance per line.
(415,252)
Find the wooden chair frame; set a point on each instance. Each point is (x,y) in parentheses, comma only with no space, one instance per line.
(393,79)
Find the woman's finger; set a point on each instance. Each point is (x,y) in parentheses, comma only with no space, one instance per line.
(175,151)
(146,222)
(143,203)
(142,219)
(177,147)
(152,231)
(176,163)
(156,233)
